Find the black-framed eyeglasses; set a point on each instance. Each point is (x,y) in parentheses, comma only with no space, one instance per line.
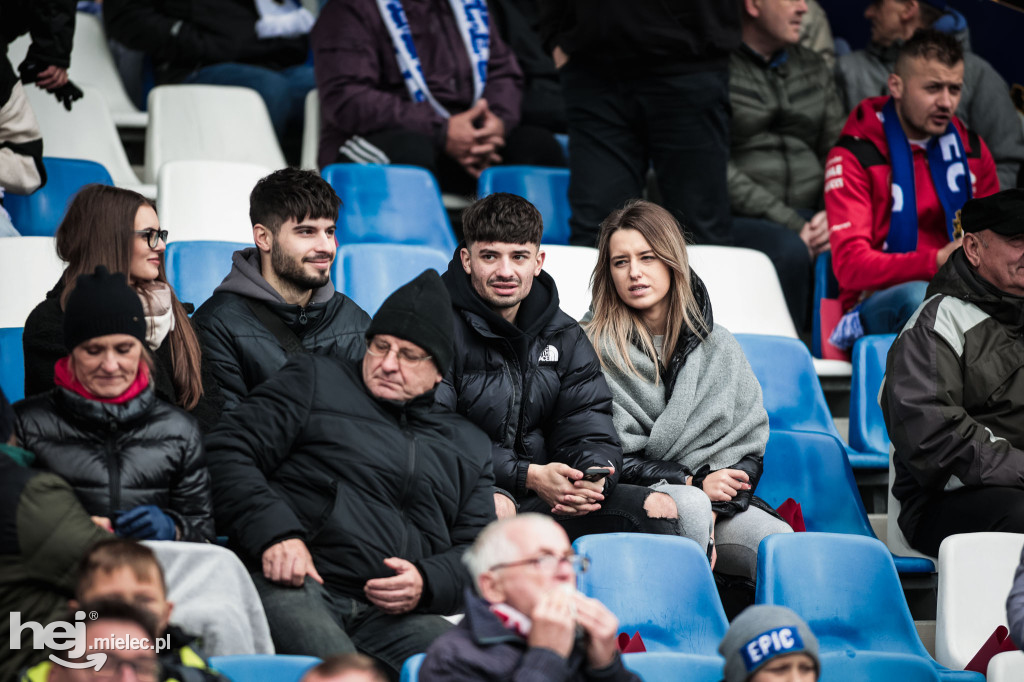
(381,348)
(153,237)
(145,669)
(549,563)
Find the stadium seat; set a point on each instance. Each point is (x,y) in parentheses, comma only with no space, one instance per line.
(368,273)
(571,267)
(29,267)
(746,296)
(792,393)
(411,668)
(975,574)
(658,585)
(867,427)
(1006,667)
(311,131)
(545,188)
(847,589)
(63,132)
(667,666)
(391,204)
(873,666)
(825,286)
(812,469)
(38,214)
(209,123)
(207,200)
(195,269)
(12,363)
(263,667)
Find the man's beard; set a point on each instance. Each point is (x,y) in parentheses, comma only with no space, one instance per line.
(291,271)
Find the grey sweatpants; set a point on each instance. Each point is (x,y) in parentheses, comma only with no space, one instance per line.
(736,538)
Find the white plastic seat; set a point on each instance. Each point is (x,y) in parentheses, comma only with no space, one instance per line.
(311,131)
(209,122)
(207,200)
(29,267)
(86,132)
(975,576)
(571,267)
(1006,667)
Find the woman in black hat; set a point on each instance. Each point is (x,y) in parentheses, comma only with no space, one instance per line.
(131,457)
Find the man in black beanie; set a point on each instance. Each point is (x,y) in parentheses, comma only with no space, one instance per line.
(351,495)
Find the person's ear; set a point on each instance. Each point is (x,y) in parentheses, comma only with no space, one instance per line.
(73,605)
(540,261)
(895,86)
(464,257)
(490,587)
(909,10)
(972,249)
(753,8)
(263,237)
(165,620)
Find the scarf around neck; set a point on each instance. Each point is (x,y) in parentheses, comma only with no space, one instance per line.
(947,163)
(65,378)
(156,304)
(474,27)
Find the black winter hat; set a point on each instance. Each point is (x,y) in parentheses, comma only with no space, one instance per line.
(1002,212)
(103,303)
(419,312)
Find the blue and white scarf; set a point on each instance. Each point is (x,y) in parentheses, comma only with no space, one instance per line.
(474,26)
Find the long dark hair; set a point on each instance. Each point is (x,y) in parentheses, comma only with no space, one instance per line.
(99,229)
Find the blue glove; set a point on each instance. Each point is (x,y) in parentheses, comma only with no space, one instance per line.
(145,522)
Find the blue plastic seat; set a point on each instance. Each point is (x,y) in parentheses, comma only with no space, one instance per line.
(811,468)
(411,668)
(873,666)
(825,286)
(847,589)
(867,427)
(667,666)
(38,214)
(792,393)
(195,269)
(368,273)
(658,585)
(12,363)
(545,188)
(390,204)
(263,667)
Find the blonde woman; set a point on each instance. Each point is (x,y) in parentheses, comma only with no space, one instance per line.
(687,407)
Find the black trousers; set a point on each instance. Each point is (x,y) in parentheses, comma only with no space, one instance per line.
(525,145)
(968,510)
(619,125)
(621,512)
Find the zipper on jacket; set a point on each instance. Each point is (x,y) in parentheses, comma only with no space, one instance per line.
(410,471)
(303,319)
(114,469)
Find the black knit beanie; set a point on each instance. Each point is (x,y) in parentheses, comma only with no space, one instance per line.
(419,312)
(102,303)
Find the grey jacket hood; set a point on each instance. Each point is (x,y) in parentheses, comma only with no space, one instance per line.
(246,279)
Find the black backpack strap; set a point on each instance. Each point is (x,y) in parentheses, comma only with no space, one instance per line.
(276,326)
(864,150)
(974,145)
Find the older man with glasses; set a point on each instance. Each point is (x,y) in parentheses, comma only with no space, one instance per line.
(527,621)
(351,494)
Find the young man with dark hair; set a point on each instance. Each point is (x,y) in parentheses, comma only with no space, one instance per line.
(278,298)
(526,373)
(894,181)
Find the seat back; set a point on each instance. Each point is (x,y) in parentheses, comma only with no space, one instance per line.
(92,64)
(29,267)
(867,427)
(86,132)
(812,469)
(668,666)
(845,587)
(545,188)
(872,666)
(263,667)
(209,122)
(976,573)
(390,204)
(12,363)
(195,269)
(369,273)
(1006,667)
(571,267)
(658,585)
(311,131)
(207,200)
(38,214)
(411,668)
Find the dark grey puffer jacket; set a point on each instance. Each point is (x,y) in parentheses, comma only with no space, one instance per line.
(954,392)
(786,115)
(120,456)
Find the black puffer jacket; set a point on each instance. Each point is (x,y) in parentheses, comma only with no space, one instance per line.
(537,391)
(120,456)
(243,353)
(311,454)
(51,23)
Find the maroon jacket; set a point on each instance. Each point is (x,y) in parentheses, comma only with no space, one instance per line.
(361,88)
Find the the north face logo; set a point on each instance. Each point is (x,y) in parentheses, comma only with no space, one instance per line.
(550,354)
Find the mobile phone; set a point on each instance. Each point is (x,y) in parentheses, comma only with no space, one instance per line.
(595,473)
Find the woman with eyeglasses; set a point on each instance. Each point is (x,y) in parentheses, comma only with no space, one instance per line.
(686,405)
(119,229)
